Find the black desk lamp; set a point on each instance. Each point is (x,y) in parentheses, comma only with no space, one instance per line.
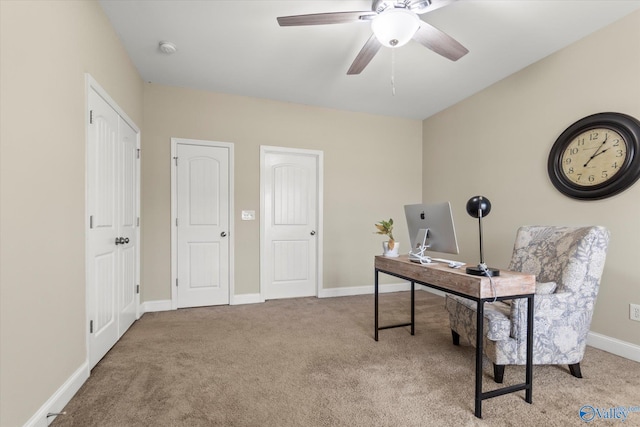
(479,207)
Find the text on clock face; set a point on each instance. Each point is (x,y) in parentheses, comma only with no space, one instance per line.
(594,156)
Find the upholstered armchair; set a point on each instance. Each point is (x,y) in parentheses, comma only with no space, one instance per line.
(568,264)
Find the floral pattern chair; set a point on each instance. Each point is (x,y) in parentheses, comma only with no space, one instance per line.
(568,264)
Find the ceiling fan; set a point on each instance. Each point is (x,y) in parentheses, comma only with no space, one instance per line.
(394,23)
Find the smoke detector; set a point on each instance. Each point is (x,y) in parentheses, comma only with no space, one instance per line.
(167,47)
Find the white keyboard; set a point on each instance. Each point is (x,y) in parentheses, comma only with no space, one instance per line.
(429,260)
(446,261)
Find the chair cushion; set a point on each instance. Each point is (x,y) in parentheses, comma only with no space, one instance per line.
(496,315)
(546,288)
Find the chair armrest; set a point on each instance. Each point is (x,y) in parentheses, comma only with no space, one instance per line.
(547,310)
(462,311)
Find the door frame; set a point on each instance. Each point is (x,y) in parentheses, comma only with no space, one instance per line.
(92,84)
(319,156)
(174,214)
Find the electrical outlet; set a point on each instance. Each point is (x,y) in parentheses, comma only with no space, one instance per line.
(634,312)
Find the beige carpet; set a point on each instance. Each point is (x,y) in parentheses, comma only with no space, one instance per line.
(313,362)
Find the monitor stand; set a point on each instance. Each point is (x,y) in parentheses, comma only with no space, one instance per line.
(421,247)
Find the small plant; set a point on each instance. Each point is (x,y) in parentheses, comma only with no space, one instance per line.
(386,228)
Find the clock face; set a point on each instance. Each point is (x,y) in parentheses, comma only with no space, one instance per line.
(594,157)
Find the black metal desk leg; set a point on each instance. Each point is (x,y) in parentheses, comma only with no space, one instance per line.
(375,291)
(413,307)
(529,372)
(479,355)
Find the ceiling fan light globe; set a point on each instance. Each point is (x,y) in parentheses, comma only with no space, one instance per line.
(395,27)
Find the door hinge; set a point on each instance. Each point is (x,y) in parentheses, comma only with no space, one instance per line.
(176,282)
(176,160)
(176,222)
(138,153)
(90,326)
(90,221)
(138,222)
(137,289)
(90,117)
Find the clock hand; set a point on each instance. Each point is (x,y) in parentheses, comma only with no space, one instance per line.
(602,152)
(598,152)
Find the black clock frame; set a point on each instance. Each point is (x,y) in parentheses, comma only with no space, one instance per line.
(628,127)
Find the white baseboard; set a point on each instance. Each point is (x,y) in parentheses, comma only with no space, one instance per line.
(60,398)
(363,290)
(159,305)
(245,299)
(165,305)
(614,345)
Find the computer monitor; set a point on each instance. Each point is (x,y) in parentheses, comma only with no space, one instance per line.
(438,220)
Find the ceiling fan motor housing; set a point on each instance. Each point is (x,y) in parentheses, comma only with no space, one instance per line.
(417,6)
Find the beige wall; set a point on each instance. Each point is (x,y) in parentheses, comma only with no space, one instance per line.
(372,166)
(496,143)
(46,47)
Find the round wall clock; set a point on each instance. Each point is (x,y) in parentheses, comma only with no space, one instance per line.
(596,157)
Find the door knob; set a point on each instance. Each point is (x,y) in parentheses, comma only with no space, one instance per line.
(223,234)
(122,240)
(126,240)
(313,232)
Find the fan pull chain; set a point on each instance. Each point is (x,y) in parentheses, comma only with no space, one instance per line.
(393,72)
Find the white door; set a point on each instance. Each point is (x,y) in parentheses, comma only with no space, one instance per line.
(290,223)
(202,224)
(112,235)
(102,203)
(128,212)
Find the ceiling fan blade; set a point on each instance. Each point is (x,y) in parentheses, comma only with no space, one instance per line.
(439,42)
(326,18)
(368,51)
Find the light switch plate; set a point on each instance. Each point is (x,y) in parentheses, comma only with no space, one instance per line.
(248,215)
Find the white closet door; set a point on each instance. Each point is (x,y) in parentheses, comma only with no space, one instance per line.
(112,235)
(202,225)
(128,165)
(103,205)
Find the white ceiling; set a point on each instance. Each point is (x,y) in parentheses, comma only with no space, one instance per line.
(237,47)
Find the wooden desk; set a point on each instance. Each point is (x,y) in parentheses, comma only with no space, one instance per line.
(509,285)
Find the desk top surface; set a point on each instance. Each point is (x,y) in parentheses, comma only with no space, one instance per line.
(509,283)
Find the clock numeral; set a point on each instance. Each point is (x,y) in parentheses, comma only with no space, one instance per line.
(615,165)
(593,136)
(570,171)
(591,178)
(604,175)
(616,142)
(619,153)
(568,160)
(573,151)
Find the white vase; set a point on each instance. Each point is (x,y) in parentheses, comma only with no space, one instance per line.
(392,253)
